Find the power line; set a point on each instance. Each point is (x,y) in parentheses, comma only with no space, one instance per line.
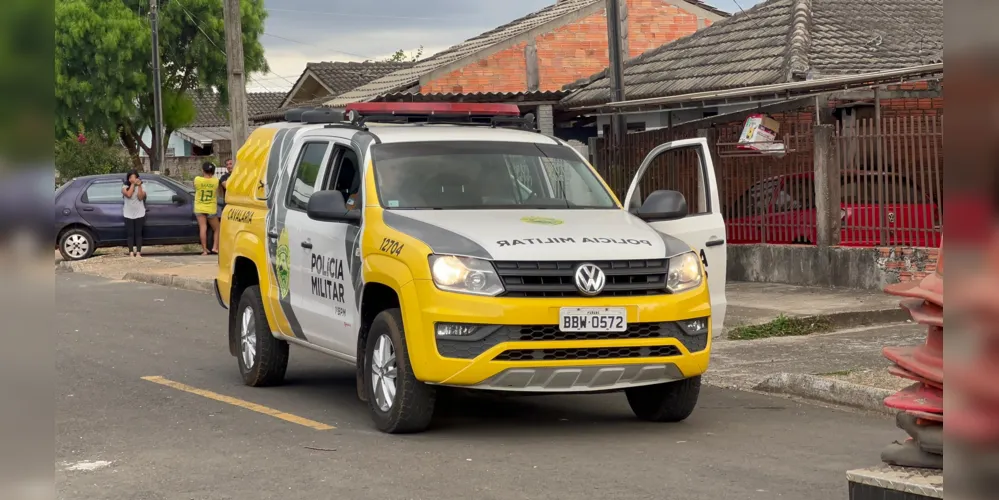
(374,16)
(220,49)
(314,45)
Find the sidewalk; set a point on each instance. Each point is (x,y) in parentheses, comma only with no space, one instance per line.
(844,367)
(757,303)
(168,266)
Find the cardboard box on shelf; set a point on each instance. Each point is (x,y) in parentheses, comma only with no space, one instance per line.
(759,133)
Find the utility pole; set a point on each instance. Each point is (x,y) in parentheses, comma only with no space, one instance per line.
(619,123)
(156,161)
(237,82)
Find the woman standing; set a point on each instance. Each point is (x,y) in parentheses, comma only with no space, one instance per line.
(134,212)
(205,209)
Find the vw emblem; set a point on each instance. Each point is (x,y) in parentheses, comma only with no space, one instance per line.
(590,279)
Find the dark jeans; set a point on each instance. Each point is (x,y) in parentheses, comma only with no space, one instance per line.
(134,229)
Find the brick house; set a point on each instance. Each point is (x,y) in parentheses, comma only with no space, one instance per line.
(778,41)
(541,51)
(882,142)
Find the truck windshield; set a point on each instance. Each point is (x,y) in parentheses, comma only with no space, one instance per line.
(484,175)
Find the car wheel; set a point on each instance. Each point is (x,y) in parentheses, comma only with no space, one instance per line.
(399,403)
(263,359)
(669,402)
(77,244)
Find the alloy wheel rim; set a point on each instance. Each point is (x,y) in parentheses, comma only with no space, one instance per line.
(248,338)
(76,246)
(383,373)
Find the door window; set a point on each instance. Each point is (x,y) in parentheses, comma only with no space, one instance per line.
(346,177)
(108,192)
(158,194)
(796,193)
(306,172)
(682,170)
(755,201)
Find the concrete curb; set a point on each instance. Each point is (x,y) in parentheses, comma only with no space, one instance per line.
(852,319)
(827,390)
(182,282)
(65,266)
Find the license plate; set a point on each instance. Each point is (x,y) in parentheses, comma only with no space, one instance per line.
(593,319)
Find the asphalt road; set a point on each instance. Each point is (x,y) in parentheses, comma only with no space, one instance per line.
(119,436)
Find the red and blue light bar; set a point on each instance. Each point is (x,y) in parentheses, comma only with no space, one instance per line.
(431,109)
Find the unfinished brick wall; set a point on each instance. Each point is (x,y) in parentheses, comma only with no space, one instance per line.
(504,71)
(652,23)
(901,264)
(567,53)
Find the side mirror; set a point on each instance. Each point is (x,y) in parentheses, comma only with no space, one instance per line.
(663,205)
(329,206)
(178,199)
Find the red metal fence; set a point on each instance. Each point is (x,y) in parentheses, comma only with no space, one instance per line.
(890,183)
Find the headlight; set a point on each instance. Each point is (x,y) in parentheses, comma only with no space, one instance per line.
(684,273)
(465,275)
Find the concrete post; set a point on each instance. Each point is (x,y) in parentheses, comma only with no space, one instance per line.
(546,119)
(827,187)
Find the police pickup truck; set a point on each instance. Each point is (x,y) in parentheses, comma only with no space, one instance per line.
(447,245)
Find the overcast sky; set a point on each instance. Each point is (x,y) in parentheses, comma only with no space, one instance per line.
(301,31)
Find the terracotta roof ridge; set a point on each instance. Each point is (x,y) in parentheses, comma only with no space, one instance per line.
(797,63)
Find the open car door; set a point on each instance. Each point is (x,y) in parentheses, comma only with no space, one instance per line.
(691,172)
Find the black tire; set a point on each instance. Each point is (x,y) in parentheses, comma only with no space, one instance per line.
(669,402)
(71,247)
(413,406)
(270,361)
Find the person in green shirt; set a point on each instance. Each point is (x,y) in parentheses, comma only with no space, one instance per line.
(206,189)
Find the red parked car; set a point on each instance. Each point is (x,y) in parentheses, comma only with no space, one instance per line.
(781,210)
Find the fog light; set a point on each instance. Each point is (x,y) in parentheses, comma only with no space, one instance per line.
(454,330)
(696,326)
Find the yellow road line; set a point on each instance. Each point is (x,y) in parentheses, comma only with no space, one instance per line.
(288,417)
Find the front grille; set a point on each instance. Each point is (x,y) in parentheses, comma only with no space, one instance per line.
(556,278)
(587,353)
(468,349)
(634,331)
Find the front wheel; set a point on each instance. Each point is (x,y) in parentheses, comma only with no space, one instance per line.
(263,359)
(399,403)
(669,402)
(77,244)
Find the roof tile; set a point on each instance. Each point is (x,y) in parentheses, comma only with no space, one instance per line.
(831,37)
(211,113)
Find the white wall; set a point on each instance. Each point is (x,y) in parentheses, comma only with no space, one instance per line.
(660,119)
(179,145)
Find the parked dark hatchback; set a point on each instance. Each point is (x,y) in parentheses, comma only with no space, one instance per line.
(88,214)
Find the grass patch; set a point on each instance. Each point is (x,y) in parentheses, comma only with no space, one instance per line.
(840,373)
(781,326)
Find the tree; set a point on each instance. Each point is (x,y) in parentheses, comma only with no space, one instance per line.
(75,158)
(401,56)
(103,63)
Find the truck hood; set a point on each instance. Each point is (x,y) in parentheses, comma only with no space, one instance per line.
(536,234)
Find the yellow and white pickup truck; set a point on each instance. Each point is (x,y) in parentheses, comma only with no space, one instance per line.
(444,245)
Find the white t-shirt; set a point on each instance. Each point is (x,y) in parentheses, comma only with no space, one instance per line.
(134,207)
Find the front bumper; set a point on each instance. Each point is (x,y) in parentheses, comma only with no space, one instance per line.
(519,347)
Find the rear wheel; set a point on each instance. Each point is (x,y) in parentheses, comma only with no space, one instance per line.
(262,358)
(77,244)
(669,402)
(399,403)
